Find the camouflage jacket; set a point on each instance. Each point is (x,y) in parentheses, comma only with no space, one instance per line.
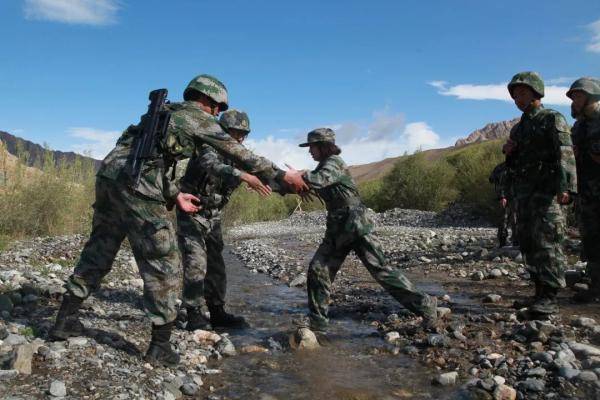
(543,161)
(346,214)
(189,128)
(586,137)
(211,177)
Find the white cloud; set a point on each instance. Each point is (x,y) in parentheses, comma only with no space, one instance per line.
(88,12)
(555,95)
(594,44)
(384,136)
(96,142)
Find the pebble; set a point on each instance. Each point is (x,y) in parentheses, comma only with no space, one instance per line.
(504,392)
(391,337)
(303,339)
(492,298)
(568,373)
(587,376)
(447,379)
(57,389)
(477,276)
(533,385)
(585,350)
(496,273)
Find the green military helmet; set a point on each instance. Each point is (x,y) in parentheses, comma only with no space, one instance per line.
(319,135)
(235,119)
(530,79)
(588,85)
(210,86)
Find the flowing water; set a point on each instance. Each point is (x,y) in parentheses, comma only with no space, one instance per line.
(352,365)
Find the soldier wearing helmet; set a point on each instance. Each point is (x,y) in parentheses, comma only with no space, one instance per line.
(540,153)
(585,108)
(138,211)
(213,178)
(349,228)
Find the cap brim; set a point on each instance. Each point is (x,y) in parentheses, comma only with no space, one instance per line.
(304,145)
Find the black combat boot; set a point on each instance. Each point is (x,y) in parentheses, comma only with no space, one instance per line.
(67,322)
(219,318)
(547,304)
(528,302)
(160,351)
(196,319)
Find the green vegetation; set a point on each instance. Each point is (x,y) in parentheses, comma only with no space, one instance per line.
(247,206)
(54,199)
(459,175)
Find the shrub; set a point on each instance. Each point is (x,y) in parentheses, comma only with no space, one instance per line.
(415,182)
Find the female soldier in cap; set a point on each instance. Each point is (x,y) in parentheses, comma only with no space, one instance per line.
(349,228)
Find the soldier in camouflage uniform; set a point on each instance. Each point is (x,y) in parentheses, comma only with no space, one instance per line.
(540,153)
(349,228)
(585,108)
(502,179)
(213,178)
(140,214)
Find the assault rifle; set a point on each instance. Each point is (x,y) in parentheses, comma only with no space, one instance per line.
(155,124)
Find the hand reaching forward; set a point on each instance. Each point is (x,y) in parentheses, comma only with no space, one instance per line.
(293,177)
(255,184)
(187,203)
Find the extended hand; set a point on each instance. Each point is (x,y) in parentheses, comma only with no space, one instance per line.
(503,202)
(255,184)
(563,198)
(187,203)
(294,178)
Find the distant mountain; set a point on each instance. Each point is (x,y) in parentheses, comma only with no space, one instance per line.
(494,130)
(35,152)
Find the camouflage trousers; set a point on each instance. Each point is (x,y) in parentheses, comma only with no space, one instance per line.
(541,227)
(120,214)
(327,262)
(509,220)
(590,230)
(201,246)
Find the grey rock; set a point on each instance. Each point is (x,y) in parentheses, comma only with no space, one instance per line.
(542,356)
(495,273)
(438,340)
(447,379)
(8,374)
(14,340)
(477,276)
(79,341)
(225,347)
(504,392)
(568,373)
(584,350)
(189,389)
(587,376)
(532,385)
(584,322)
(22,358)
(303,339)
(298,281)
(536,372)
(57,389)
(492,298)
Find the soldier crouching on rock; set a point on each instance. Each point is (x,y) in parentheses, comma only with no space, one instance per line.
(540,153)
(349,228)
(137,209)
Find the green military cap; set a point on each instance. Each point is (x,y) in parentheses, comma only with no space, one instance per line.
(209,86)
(531,79)
(319,135)
(235,119)
(588,85)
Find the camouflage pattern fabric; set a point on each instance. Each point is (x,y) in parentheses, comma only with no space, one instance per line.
(201,246)
(120,214)
(319,135)
(213,179)
(541,227)
(586,138)
(189,128)
(141,216)
(235,119)
(349,228)
(543,165)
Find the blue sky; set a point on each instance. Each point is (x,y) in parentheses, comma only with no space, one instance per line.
(389,76)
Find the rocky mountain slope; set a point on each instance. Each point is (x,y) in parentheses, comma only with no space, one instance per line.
(15,144)
(494,130)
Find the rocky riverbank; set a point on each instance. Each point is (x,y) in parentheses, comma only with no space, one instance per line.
(483,351)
